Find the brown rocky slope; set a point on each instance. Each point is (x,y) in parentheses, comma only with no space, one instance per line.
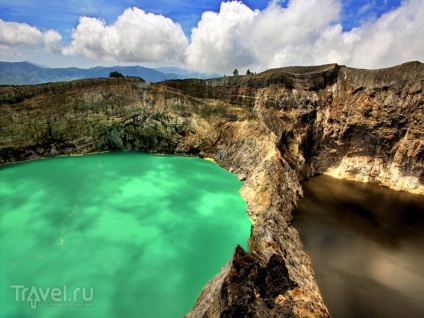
(273,130)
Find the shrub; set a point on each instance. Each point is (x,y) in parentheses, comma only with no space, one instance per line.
(115,74)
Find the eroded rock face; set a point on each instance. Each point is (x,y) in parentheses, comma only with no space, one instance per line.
(272,130)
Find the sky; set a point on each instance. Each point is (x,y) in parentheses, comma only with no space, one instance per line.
(212,36)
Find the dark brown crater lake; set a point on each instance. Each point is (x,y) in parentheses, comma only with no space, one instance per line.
(366,244)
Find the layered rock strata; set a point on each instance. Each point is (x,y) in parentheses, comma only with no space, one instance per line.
(273,130)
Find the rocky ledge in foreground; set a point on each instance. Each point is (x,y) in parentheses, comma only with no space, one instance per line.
(273,130)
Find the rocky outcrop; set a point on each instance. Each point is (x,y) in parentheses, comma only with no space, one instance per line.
(272,130)
(251,288)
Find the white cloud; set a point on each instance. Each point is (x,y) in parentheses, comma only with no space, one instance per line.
(306,32)
(52,40)
(13,33)
(394,38)
(136,36)
(398,36)
(238,37)
(221,40)
(300,32)
(366,7)
(17,37)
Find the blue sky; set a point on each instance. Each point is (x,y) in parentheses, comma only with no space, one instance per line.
(64,15)
(249,34)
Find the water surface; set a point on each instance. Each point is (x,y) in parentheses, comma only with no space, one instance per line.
(366,244)
(139,234)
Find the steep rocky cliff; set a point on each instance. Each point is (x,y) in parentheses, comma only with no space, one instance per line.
(272,130)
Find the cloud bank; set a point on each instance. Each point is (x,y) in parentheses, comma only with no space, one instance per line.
(306,32)
(294,32)
(136,36)
(238,37)
(16,37)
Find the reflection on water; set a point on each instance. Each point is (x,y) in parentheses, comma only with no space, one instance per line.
(366,244)
(144,232)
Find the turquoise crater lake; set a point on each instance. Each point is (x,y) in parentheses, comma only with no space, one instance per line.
(115,234)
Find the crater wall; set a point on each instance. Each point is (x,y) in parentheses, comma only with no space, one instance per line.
(273,130)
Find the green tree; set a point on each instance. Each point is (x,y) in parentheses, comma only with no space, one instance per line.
(115,74)
(248,72)
(235,73)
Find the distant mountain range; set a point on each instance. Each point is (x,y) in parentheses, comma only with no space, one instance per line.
(27,73)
